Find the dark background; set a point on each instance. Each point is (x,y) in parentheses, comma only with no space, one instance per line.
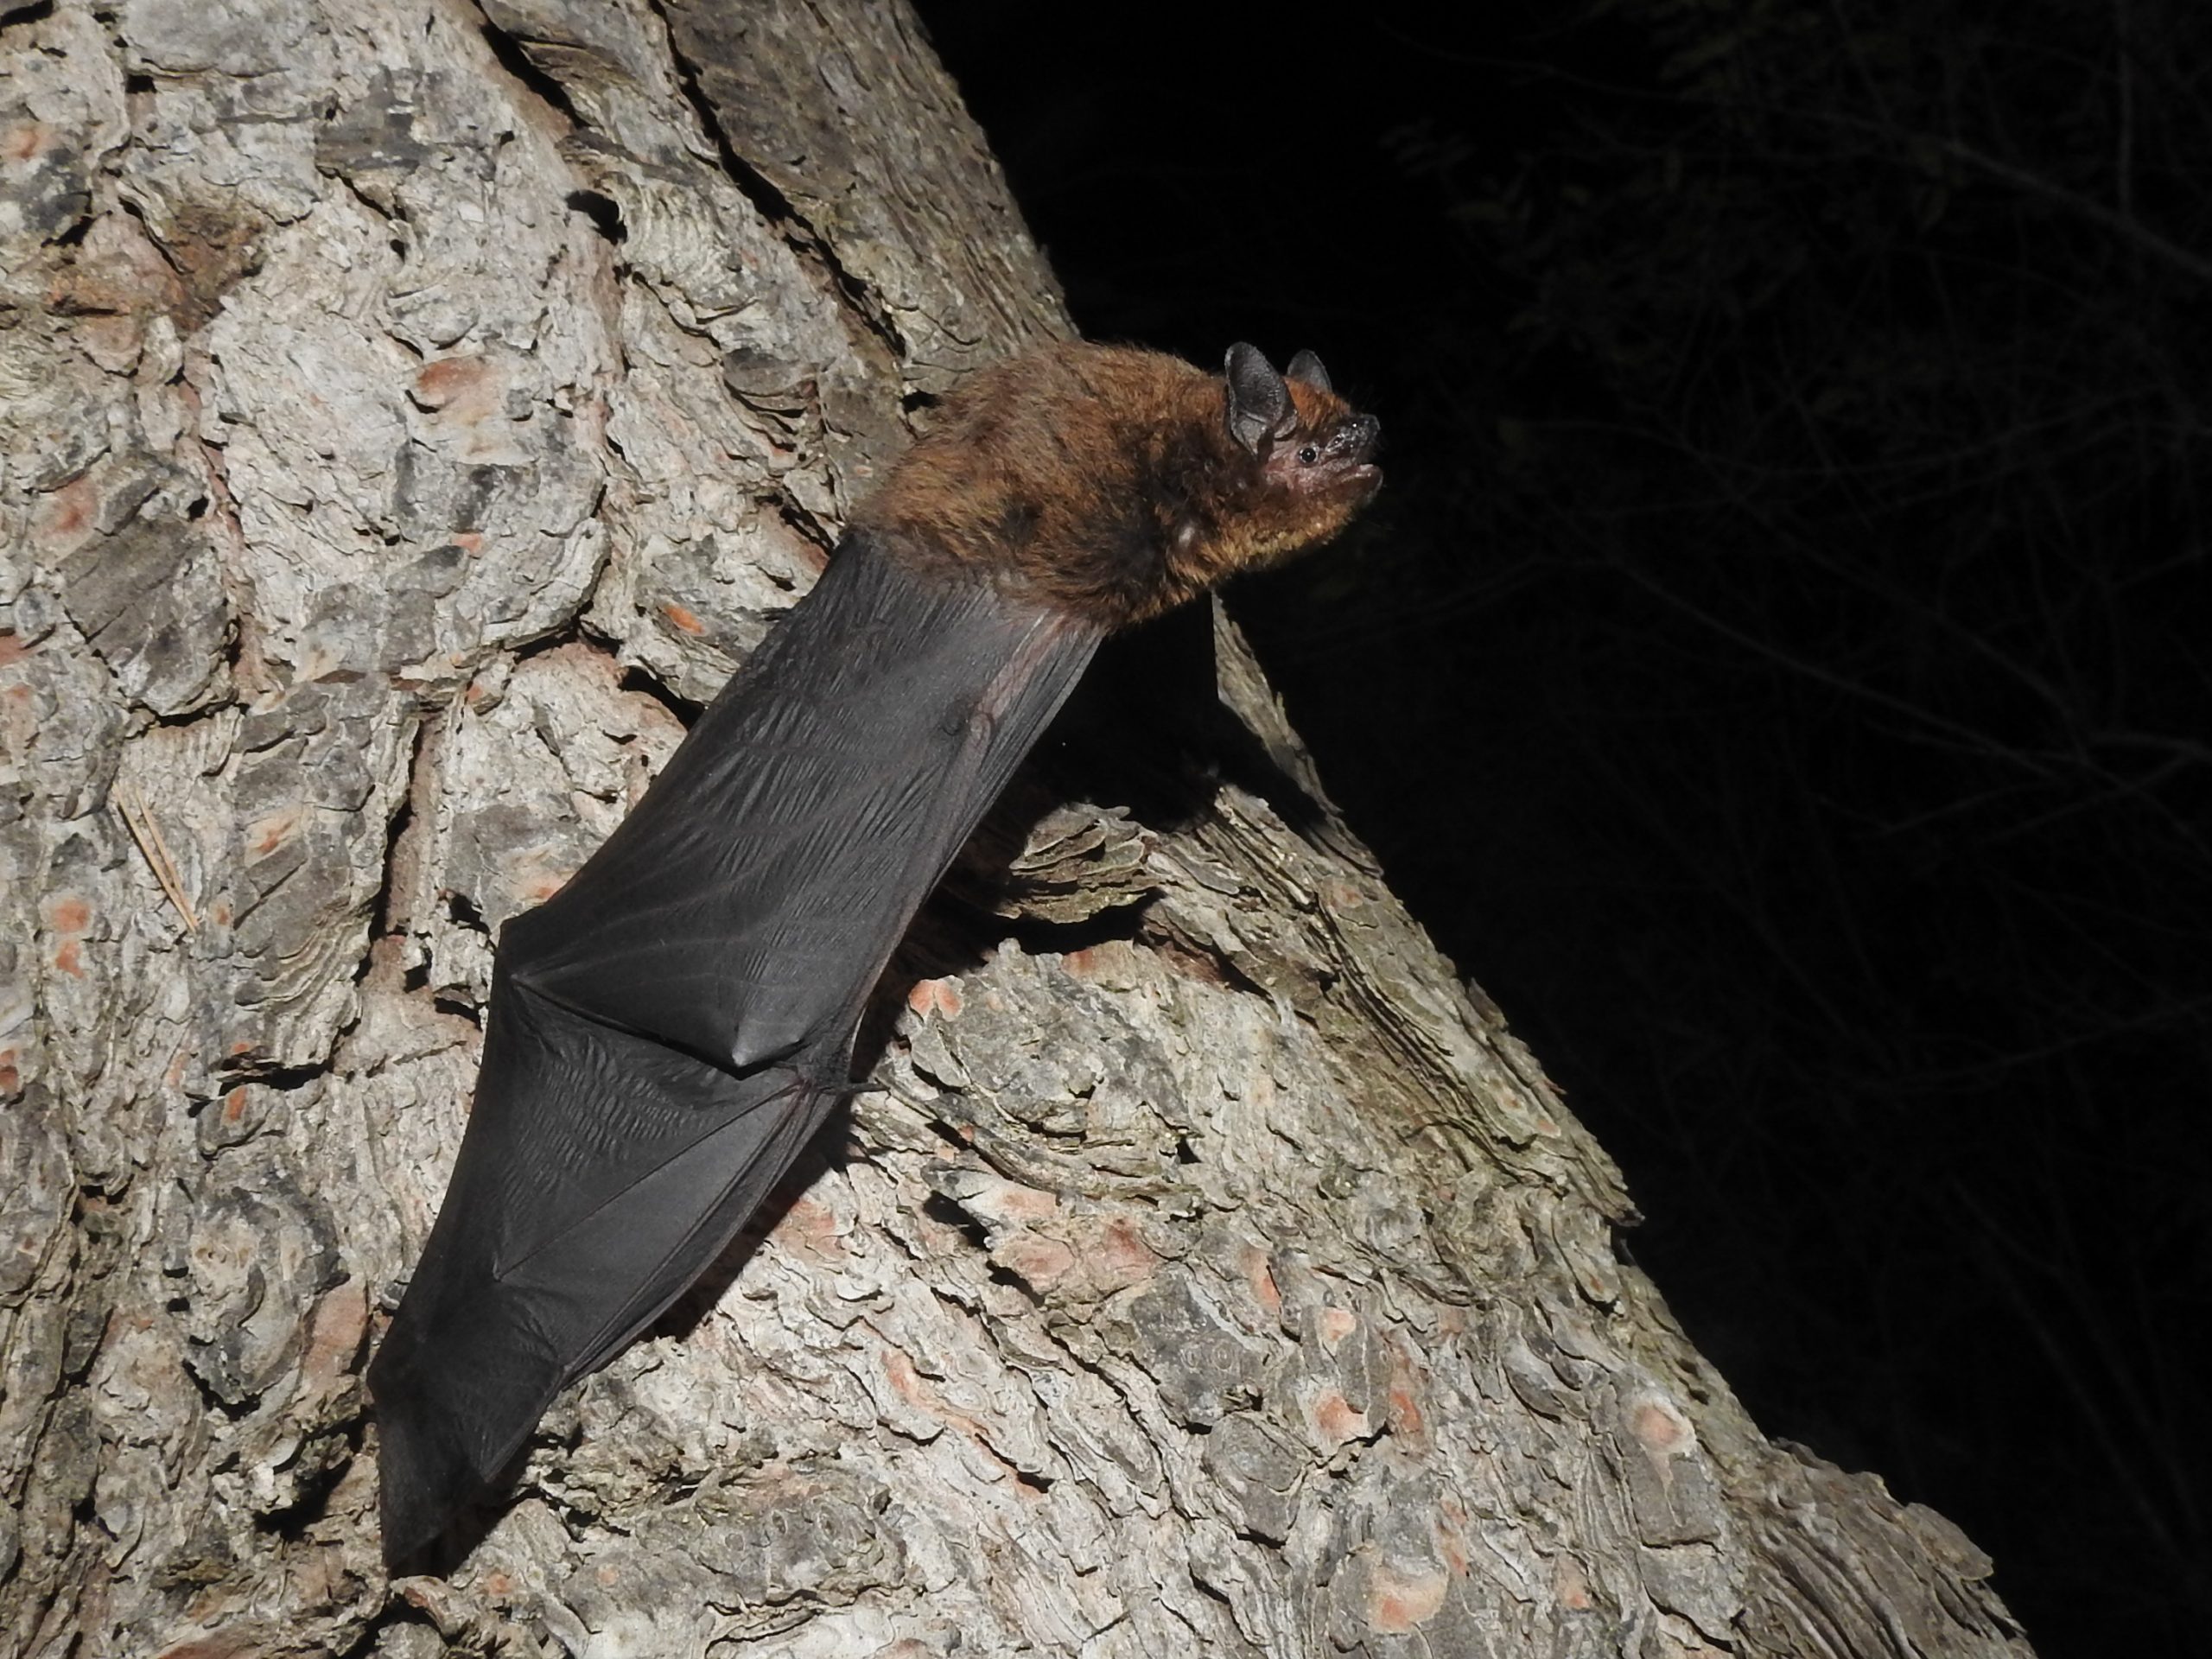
(1776,670)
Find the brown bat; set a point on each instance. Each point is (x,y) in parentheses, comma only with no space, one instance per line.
(667,1032)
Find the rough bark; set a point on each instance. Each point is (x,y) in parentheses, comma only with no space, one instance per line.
(402,406)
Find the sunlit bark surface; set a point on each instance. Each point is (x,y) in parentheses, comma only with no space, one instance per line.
(406,411)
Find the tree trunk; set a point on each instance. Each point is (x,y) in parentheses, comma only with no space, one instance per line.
(404,406)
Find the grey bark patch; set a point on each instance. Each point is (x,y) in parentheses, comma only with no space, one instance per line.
(258,1250)
(1259,1466)
(35,1173)
(1204,1367)
(148,598)
(373,134)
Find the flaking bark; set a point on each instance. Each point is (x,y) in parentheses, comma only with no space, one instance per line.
(400,405)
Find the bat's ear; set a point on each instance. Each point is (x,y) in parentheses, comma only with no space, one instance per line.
(1260,409)
(1308,368)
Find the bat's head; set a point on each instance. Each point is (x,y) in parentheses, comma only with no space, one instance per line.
(1312,446)
(1115,483)
(1296,463)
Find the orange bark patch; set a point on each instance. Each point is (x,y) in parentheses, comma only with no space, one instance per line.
(113,342)
(809,1229)
(1334,1324)
(915,1389)
(66,960)
(70,915)
(534,883)
(905,1380)
(1571,1585)
(1122,1256)
(683,619)
(450,379)
(23,140)
(1039,1262)
(12,650)
(1002,1202)
(335,1334)
(265,836)
(1452,1535)
(1405,1418)
(1399,1602)
(1405,1412)
(118,270)
(1338,896)
(1333,1419)
(469,396)
(234,1107)
(935,996)
(10,1079)
(1659,1426)
(1024,1202)
(1261,1278)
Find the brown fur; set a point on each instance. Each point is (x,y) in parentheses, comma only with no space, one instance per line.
(1104,480)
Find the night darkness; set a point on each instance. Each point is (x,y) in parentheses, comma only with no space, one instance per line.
(1776,670)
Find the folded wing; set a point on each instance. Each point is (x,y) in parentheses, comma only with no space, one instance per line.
(666,1034)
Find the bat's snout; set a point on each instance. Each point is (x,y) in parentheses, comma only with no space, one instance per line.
(1358,440)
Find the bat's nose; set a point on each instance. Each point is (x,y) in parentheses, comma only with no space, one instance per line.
(1358,438)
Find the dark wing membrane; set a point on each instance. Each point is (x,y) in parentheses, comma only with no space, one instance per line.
(776,860)
(666,1034)
(742,912)
(650,1161)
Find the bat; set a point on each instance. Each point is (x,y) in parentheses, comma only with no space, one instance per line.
(666,1032)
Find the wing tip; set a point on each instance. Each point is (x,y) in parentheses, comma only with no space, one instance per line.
(423,1485)
(425,1477)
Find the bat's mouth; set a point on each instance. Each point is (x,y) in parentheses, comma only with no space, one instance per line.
(1357,479)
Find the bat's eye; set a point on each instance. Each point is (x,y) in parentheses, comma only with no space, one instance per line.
(1308,456)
